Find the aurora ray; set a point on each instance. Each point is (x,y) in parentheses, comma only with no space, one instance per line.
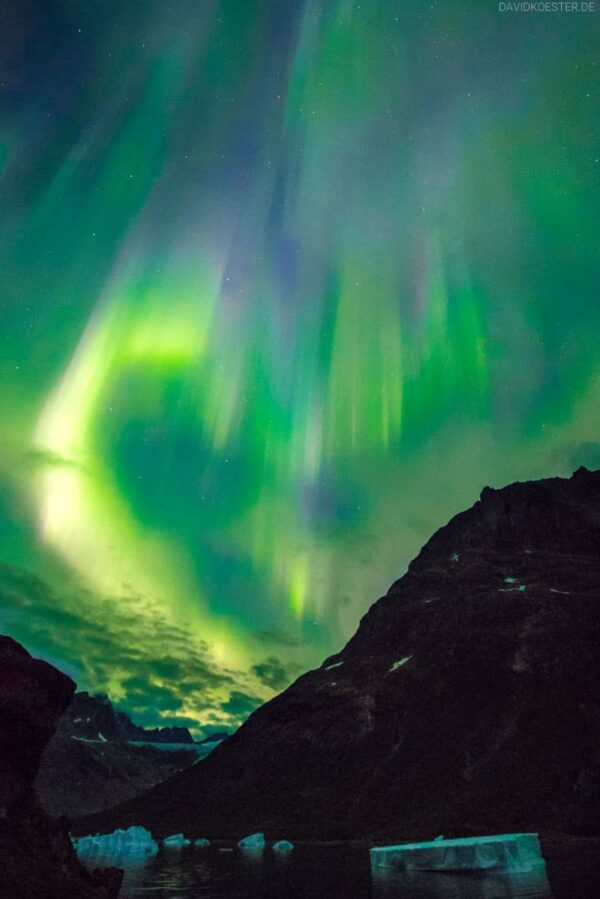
(284,285)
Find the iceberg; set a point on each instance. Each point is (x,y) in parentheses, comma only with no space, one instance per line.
(509,852)
(202,842)
(254,841)
(282,846)
(134,843)
(176,840)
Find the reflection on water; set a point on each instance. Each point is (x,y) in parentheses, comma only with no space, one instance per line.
(463,885)
(320,872)
(217,874)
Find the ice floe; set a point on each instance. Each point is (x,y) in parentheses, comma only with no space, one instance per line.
(176,841)
(133,843)
(510,853)
(253,841)
(282,846)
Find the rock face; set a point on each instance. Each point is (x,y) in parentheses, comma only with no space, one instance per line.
(78,778)
(36,855)
(94,718)
(89,764)
(468,701)
(32,696)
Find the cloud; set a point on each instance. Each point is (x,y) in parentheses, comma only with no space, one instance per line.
(152,669)
(272,673)
(41,458)
(144,696)
(211,729)
(586,454)
(181,721)
(277,636)
(240,705)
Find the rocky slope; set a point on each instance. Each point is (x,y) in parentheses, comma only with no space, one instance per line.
(94,718)
(36,856)
(91,764)
(217,737)
(467,701)
(78,778)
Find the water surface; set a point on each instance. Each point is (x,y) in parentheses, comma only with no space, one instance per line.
(325,872)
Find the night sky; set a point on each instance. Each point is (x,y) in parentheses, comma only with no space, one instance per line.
(284,285)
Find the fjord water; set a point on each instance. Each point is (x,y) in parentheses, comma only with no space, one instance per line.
(332,873)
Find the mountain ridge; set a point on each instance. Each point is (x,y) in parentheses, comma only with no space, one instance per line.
(94,717)
(468,699)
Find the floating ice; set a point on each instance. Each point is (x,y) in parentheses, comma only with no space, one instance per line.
(134,843)
(282,846)
(202,842)
(563,592)
(335,665)
(509,852)
(399,664)
(254,841)
(176,840)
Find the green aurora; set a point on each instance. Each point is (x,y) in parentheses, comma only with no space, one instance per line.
(285,283)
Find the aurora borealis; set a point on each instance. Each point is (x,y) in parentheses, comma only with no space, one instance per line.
(285,283)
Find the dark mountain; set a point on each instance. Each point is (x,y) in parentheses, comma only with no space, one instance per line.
(94,718)
(78,778)
(90,763)
(467,701)
(36,855)
(217,737)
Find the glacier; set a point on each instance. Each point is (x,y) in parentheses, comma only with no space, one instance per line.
(510,853)
(133,843)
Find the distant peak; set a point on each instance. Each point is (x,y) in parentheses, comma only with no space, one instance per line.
(583,472)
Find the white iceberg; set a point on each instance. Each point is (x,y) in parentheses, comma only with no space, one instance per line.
(133,843)
(176,840)
(202,842)
(254,841)
(282,846)
(508,852)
